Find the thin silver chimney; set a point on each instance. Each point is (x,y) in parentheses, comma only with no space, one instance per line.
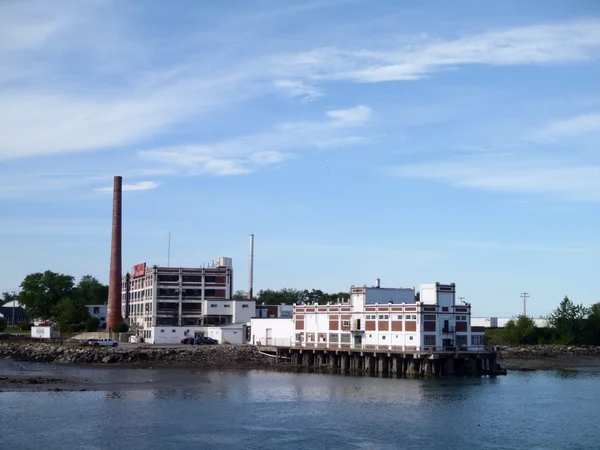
(251,268)
(378,283)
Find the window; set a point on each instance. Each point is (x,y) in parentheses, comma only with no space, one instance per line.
(429,317)
(227,306)
(334,338)
(298,337)
(322,337)
(192,278)
(168,278)
(96,310)
(345,338)
(345,323)
(162,331)
(429,339)
(461,339)
(172,331)
(210,279)
(213,305)
(245,306)
(476,339)
(410,338)
(210,292)
(399,316)
(383,338)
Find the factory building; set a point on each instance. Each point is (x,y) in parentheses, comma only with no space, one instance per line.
(380,319)
(167,304)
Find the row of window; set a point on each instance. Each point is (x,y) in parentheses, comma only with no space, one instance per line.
(187,278)
(394,317)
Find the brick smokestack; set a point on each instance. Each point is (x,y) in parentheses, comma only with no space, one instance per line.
(114,281)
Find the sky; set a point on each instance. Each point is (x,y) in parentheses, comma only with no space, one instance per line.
(411,141)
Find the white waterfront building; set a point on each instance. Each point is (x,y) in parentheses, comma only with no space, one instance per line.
(377,318)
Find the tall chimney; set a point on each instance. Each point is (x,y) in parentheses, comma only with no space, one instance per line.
(114,315)
(377,283)
(251,268)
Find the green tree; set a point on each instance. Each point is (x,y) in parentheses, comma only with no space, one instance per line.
(41,292)
(2,324)
(569,322)
(521,330)
(90,291)
(240,295)
(69,312)
(92,324)
(593,325)
(285,296)
(8,297)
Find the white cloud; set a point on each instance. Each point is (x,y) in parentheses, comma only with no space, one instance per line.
(586,123)
(528,45)
(242,155)
(295,88)
(140,186)
(352,116)
(542,176)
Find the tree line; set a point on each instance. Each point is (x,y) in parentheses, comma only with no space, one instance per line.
(289,296)
(569,324)
(58,298)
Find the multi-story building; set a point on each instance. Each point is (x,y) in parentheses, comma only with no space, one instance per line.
(99,312)
(166,304)
(378,318)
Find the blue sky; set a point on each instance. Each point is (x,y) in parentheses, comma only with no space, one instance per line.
(415,142)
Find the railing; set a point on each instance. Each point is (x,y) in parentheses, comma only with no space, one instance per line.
(283,342)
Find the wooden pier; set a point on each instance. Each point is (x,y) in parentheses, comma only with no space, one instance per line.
(396,364)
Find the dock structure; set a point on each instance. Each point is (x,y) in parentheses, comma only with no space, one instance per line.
(393,364)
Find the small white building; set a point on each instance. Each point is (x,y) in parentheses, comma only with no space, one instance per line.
(43,332)
(99,312)
(232,334)
(275,331)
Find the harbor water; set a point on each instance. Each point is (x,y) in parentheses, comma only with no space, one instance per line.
(193,409)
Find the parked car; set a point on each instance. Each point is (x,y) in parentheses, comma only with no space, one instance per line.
(106,343)
(206,341)
(189,340)
(92,342)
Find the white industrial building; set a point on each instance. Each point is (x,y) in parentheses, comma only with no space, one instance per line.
(377,318)
(168,304)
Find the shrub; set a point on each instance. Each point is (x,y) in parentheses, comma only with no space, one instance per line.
(76,327)
(92,324)
(25,326)
(120,328)
(2,324)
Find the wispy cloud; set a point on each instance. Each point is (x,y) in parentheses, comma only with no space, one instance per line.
(244,154)
(551,177)
(528,45)
(581,124)
(295,88)
(349,117)
(140,186)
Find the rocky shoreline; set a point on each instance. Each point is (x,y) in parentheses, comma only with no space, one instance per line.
(222,356)
(550,357)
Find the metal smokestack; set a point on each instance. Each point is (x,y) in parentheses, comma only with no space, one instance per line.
(251,268)
(114,315)
(377,283)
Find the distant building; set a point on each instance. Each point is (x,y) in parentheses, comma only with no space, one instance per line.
(20,316)
(379,319)
(167,304)
(273,311)
(99,312)
(500,322)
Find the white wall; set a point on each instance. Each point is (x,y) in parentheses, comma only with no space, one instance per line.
(221,307)
(428,294)
(233,335)
(282,331)
(172,335)
(244,310)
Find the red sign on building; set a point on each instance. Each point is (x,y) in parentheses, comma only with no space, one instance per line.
(139,270)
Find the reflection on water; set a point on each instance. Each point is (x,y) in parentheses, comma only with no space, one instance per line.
(257,409)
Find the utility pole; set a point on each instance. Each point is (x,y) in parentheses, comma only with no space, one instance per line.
(524,296)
